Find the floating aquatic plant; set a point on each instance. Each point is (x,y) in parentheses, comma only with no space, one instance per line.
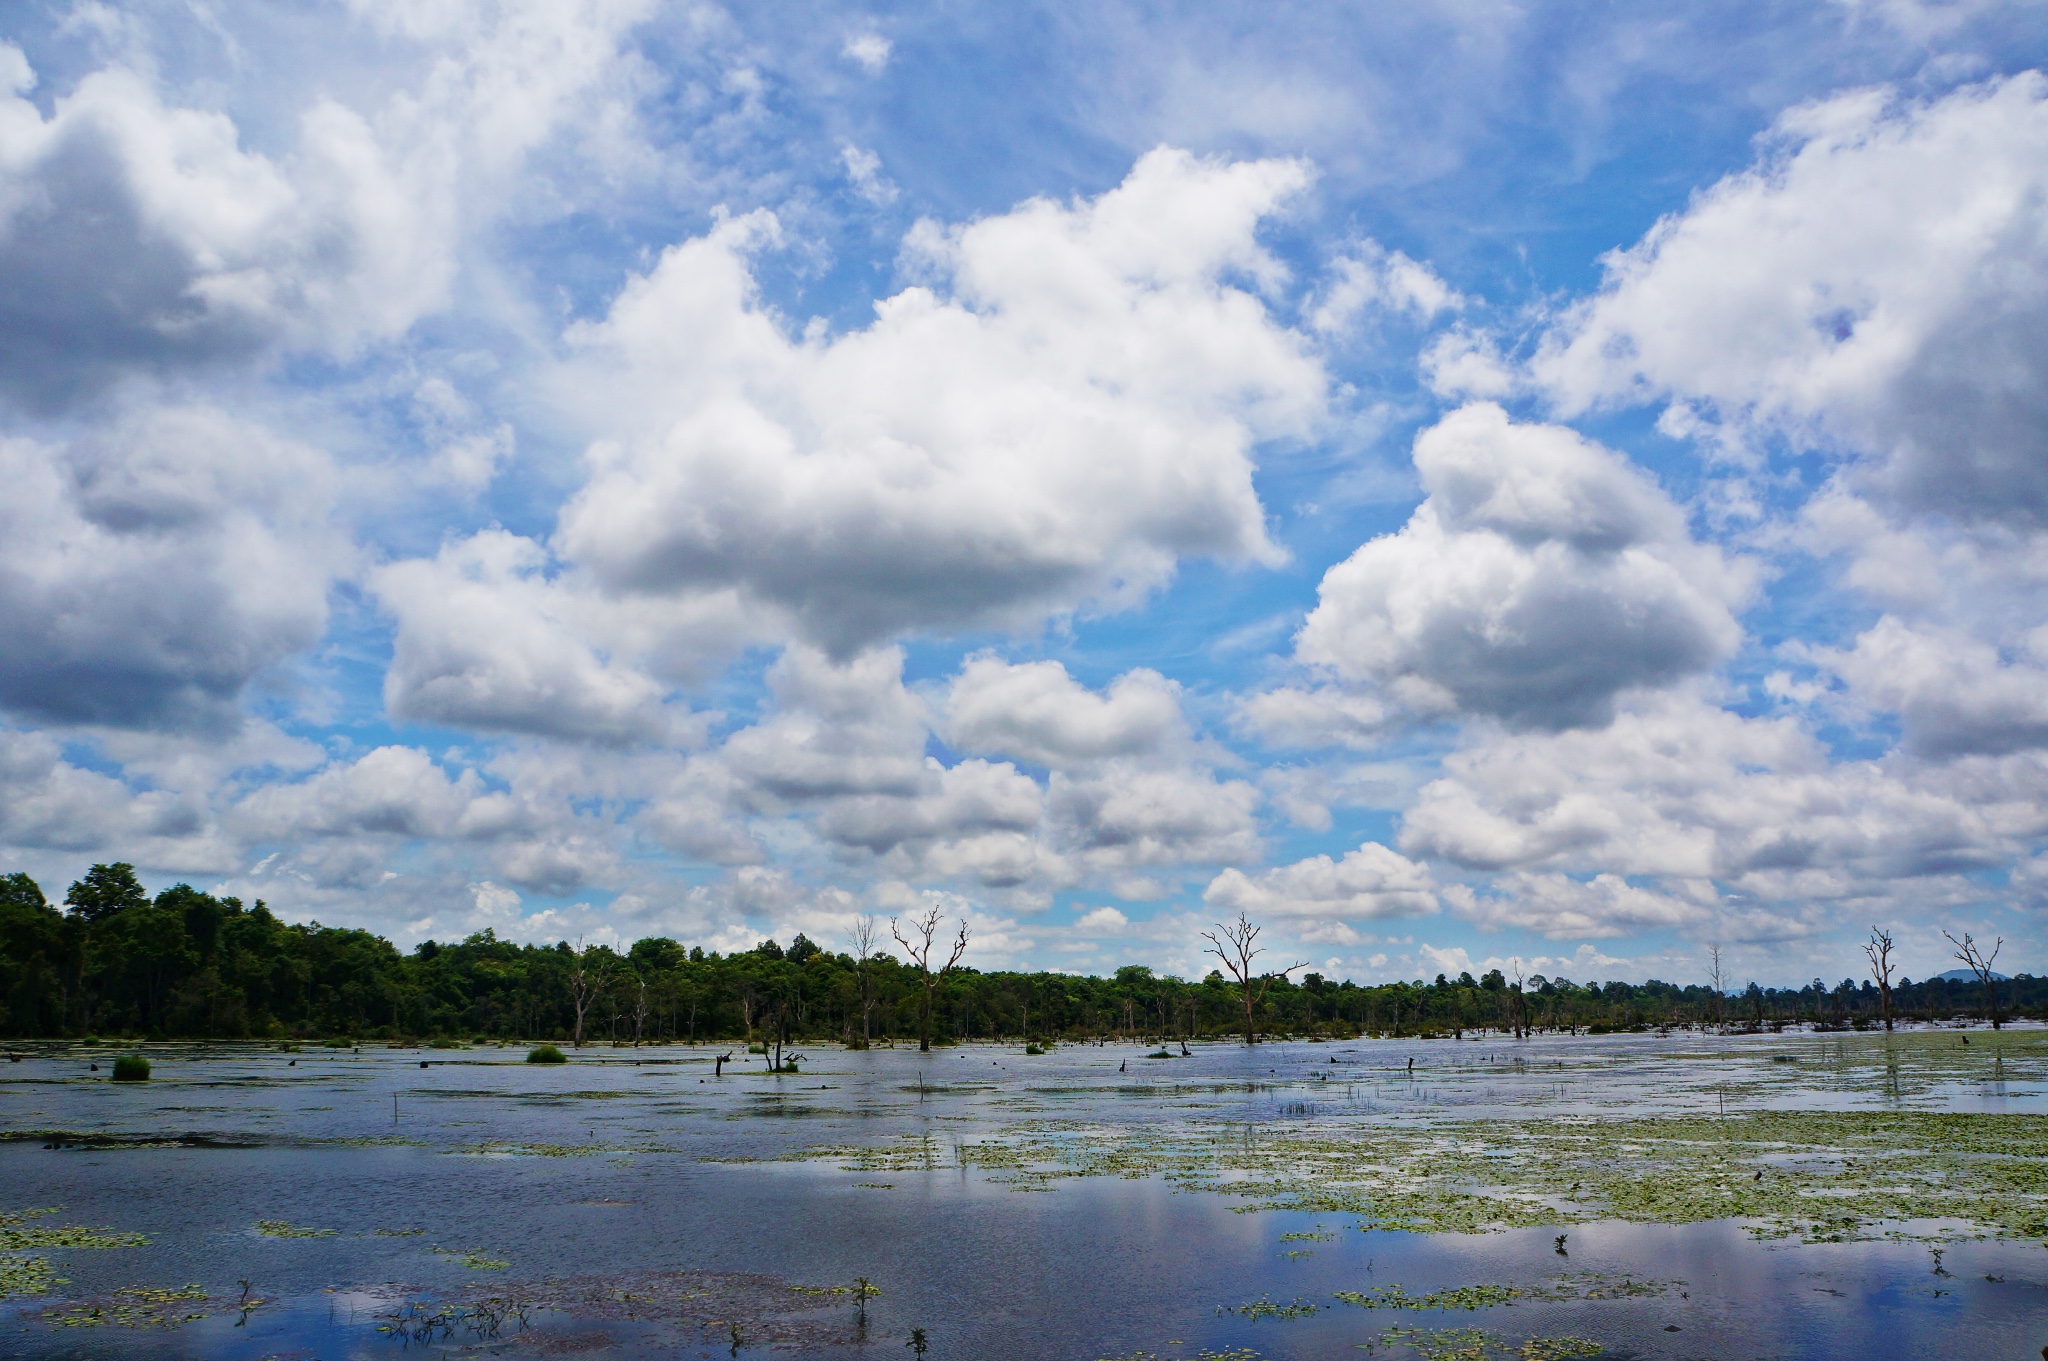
(26,1276)
(279,1228)
(1267,1307)
(473,1258)
(21,1239)
(133,1307)
(131,1068)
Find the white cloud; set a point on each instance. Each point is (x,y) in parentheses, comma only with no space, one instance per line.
(1368,884)
(1072,413)
(1123,817)
(151,569)
(1542,577)
(1601,907)
(1373,278)
(1324,716)
(47,803)
(1953,694)
(1101,921)
(393,792)
(1036,712)
(864,169)
(869,50)
(486,640)
(1877,284)
(1684,793)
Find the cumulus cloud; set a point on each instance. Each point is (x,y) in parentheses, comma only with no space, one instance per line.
(389,792)
(1953,694)
(1542,576)
(141,236)
(1368,884)
(1602,906)
(49,804)
(151,569)
(1877,284)
(1123,816)
(487,640)
(1038,713)
(1069,411)
(1682,792)
(1320,716)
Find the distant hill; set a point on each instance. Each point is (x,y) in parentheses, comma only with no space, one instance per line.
(1965,976)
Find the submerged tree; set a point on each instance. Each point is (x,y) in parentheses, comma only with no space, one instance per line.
(925,928)
(862,939)
(1972,954)
(1878,949)
(1237,950)
(587,980)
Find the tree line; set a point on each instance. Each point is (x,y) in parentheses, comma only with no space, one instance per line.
(114,961)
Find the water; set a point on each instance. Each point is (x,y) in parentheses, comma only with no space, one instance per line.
(631,1204)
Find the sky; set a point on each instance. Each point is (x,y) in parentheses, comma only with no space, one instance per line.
(1549,486)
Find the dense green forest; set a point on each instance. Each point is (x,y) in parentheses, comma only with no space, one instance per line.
(114,961)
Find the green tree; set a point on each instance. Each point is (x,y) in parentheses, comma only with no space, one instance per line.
(33,950)
(104,891)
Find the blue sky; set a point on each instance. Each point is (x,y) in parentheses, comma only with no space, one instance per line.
(1466,484)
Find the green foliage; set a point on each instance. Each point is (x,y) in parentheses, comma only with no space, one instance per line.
(188,964)
(131,1068)
(104,891)
(546,1053)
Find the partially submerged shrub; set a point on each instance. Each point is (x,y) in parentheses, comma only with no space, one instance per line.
(546,1053)
(1033,1049)
(131,1068)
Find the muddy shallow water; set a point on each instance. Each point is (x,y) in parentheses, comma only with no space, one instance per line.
(1717,1197)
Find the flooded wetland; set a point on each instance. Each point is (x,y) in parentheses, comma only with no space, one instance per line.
(1683,1196)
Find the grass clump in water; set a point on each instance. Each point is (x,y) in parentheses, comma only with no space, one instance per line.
(546,1053)
(278,1228)
(131,1068)
(473,1258)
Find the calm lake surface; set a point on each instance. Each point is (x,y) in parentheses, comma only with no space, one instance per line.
(630,1203)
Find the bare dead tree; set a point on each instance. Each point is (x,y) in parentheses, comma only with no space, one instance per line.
(1520,1001)
(1972,954)
(1717,976)
(1878,950)
(639,1007)
(862,938)
(587,980)
(925,929)
(1236,948)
